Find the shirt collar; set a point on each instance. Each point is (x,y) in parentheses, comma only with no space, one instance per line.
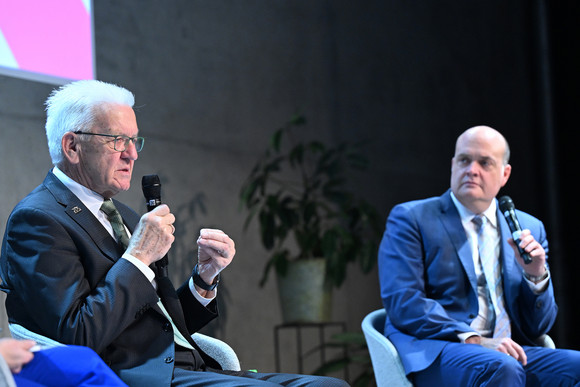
(466,215)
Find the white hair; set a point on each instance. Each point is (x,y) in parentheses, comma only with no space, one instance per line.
(75,107)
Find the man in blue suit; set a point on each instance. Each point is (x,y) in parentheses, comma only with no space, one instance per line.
(452,322)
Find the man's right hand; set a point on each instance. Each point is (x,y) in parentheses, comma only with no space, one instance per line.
(16,353)
(153,236)
(505,345)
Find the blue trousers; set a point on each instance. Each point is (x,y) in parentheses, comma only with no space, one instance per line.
(473,365)
(67,366)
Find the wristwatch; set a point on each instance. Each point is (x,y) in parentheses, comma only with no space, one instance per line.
(537,278)
(201,283)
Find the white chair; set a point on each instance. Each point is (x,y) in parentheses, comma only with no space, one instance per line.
(217,349)
(387,366)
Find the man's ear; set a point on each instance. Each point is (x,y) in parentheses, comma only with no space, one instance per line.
(507,170)
(70,147)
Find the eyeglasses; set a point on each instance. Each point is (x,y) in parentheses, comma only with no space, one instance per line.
(120,142)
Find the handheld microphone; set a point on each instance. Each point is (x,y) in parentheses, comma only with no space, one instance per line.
(152,192)
(506,206)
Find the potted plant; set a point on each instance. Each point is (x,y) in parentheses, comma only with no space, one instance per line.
(308,218)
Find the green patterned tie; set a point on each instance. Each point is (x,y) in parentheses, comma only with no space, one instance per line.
(116,222)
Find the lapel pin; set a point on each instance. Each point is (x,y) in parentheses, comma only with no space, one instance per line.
(76,209)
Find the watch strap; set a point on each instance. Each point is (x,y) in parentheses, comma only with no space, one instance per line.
(201,283)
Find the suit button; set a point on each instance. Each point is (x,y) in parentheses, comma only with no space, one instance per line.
(166,327)
(168,359)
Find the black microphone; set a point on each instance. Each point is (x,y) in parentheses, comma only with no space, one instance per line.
(506,206)
(152,192)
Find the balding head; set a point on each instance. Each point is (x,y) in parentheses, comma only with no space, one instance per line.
(480,167)
(487,133)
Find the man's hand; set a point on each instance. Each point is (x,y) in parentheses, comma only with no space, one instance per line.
(505,345)
(535,250)
(215,251)
(16,353)
(153,236)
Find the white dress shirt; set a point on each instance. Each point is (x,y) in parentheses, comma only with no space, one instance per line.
(484,322)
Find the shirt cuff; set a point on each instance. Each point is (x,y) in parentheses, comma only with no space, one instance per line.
(541,286)
(202,300)
(143,268)
(466,335)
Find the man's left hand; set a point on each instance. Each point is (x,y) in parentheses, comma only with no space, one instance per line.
(215,251)
(535,250)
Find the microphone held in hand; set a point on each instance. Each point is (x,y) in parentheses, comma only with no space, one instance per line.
(506,206)
(152,192)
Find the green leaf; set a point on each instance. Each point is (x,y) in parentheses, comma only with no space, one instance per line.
(281,262)
(297,119)
(267,268)
(276,140)
(267,229)
(296,155)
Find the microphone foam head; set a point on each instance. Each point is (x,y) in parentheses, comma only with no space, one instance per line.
(506,204)
(151,187)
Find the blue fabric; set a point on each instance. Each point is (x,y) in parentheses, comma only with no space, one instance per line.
(67,366)
(463,365)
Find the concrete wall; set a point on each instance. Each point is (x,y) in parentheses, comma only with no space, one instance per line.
(214,79)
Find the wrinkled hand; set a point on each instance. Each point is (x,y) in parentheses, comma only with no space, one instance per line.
(16,353)
(505,345)
(529,244)
(215,251)
(153,236)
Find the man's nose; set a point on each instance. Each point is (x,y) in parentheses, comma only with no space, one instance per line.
(472,168)
(130,151)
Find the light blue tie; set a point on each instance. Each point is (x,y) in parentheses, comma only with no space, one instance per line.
(492,271)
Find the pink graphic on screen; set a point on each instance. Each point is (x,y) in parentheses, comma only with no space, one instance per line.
(49,37)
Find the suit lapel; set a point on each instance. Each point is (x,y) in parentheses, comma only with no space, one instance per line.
(454,228)
(81,215)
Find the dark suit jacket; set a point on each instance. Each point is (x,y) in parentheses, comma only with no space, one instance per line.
(428,282)
(63,277)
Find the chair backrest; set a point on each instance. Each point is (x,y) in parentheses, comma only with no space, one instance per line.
(387,366)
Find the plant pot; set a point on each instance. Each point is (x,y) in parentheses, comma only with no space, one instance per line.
(305,295)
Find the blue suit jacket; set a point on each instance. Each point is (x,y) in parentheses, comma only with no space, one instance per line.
(63,277)
(428,282)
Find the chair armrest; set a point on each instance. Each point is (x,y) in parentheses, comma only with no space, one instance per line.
(21,333)
(546,342)
(218,350)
